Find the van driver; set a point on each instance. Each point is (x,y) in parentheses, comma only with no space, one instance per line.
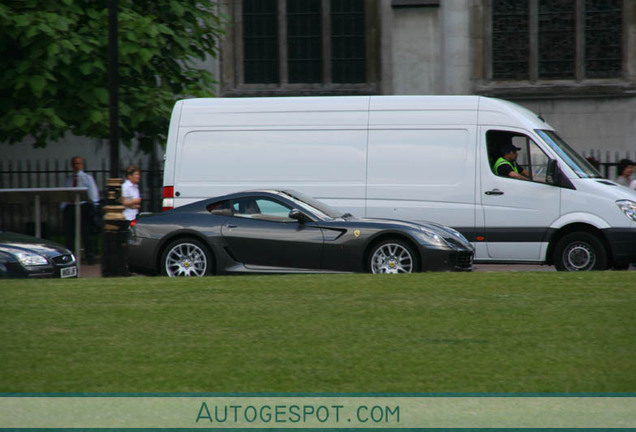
(506,165)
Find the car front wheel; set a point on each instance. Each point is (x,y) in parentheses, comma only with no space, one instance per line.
(186,257)
(392,256)
(580,252)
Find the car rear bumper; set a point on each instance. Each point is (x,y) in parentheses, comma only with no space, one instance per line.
(140,255)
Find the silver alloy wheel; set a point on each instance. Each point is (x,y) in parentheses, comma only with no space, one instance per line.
(186,259)
(579,256)
(391,258)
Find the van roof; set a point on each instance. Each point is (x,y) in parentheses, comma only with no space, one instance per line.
(300,111)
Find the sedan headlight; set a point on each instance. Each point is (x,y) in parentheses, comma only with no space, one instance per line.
(26,258)
(31,259)
(628,207)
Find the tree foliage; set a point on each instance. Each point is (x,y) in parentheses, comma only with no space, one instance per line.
(54,66)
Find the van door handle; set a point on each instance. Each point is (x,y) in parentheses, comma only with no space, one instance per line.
(494,192)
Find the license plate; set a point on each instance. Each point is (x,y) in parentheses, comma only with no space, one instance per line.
(69,272)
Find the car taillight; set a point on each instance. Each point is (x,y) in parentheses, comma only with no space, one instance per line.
(168,198)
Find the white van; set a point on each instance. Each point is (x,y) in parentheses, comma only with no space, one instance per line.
(419,158)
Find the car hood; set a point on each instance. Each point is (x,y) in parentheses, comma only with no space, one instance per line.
(32,244)
(441,230)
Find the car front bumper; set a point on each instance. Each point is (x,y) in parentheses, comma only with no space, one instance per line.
(451,260)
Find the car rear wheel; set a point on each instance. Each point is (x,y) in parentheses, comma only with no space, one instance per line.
(186,257)
(392,256)
(580,252)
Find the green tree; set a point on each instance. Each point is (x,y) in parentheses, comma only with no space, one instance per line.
(53,66)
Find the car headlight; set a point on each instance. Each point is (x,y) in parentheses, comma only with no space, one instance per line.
(432,238)
(26,258)
(628,207)
(31,259)
(457,234)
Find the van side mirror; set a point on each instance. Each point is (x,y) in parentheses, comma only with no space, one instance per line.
(551,172)
(298,215)
(554,176)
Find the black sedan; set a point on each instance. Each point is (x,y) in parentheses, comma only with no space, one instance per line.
(23,256)
(286,232)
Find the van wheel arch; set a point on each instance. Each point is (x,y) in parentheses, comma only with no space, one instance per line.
(168,242)
(584,230)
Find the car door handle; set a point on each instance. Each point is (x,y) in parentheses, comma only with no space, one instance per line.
(231,225)
(494,192)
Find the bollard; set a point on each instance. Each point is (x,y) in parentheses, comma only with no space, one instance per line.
(115,235)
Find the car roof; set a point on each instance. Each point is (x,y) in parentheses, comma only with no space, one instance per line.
(250,193)
(234,195)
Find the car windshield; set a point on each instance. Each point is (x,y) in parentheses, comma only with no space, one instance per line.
(575,161)
(307,203)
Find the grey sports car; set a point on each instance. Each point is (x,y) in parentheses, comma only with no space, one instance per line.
(286,232)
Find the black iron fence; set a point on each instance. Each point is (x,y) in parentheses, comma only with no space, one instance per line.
(608,160)
(28,174)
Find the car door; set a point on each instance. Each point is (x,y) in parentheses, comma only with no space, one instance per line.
(517,214)
(260,234)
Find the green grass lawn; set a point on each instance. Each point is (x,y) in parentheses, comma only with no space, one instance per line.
(479,332)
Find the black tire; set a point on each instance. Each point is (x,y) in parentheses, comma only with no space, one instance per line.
(186,257)
(580,251)
(392,256)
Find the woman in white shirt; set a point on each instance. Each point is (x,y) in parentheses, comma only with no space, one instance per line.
(130,196)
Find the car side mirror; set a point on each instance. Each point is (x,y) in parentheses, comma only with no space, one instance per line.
(298,215)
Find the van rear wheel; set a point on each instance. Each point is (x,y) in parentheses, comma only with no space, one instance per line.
(580,251)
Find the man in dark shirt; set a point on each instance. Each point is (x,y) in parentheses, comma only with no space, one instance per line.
(506,165)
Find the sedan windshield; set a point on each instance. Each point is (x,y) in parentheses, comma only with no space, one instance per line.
(574,160)
(307,203)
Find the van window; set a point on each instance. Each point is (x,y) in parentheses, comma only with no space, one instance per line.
(530,157)
(535,160)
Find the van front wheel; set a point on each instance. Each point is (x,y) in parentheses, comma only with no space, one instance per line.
(580,252)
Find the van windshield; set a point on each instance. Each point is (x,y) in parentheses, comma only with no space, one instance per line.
(574,160)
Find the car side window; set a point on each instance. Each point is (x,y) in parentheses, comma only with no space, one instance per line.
(261,209)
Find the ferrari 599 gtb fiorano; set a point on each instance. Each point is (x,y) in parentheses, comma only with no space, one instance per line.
(286,232)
